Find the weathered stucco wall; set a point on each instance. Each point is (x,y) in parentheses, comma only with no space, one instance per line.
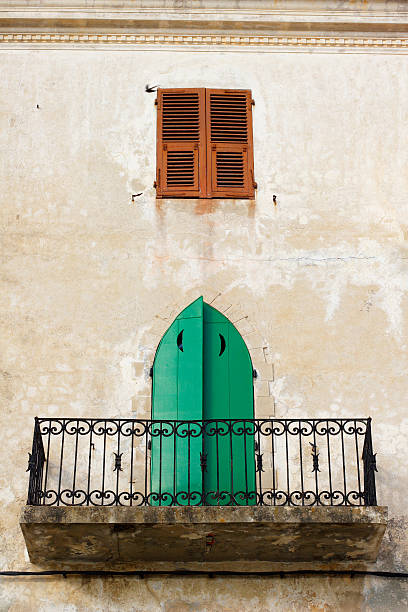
(90,279)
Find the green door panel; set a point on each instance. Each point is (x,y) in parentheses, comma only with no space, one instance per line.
(228,394)
(202,371)
(178,395)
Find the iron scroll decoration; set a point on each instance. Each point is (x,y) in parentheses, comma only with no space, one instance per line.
(70,456)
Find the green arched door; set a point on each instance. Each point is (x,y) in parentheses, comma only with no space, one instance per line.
(202,371)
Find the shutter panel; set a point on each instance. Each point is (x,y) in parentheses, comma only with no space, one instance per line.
(230,166)
(181,143)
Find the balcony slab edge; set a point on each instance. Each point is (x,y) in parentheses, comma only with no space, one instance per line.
(210,535)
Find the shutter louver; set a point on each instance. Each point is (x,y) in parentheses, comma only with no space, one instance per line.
(229,143)
(181,143)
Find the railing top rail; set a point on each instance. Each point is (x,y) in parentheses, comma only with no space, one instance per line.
(267,420)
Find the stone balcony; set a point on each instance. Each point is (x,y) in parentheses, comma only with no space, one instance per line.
(202,534)
(218,491)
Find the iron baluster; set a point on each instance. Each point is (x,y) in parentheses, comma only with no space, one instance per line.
(35,467)
(47,463)
(148,446)
(60,463)
(315,472)
(287,461)
(329,463)
(175,466)
(273,466)
(231,459)
(360,494)
(370,467)
(246,464)
(301,464)
(189,463)
(75,463)
(343,463)
(259,466)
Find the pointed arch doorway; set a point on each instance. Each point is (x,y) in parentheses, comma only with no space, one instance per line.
(202,372)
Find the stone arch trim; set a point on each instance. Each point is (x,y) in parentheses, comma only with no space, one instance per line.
(258,347)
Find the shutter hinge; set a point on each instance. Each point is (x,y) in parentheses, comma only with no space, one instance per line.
(157,183)
(155,102)
(253,102)
(254,183)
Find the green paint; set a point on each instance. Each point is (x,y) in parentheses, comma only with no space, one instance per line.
(193,381)
(228,394)
(178,395)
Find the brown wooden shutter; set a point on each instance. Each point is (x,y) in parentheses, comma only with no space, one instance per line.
(230,165)
(181,145)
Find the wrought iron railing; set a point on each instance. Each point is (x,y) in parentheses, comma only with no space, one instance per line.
(273,462)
